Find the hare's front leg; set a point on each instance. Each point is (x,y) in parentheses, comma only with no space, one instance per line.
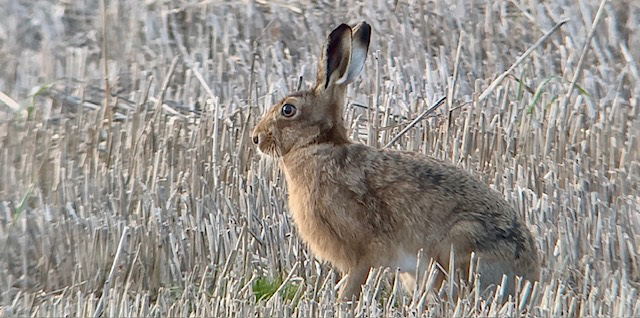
(352,287)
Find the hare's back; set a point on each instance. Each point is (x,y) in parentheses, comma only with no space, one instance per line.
(431,196)
(420,179)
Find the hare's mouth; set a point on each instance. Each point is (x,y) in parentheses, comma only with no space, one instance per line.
(269,148)
(269,152)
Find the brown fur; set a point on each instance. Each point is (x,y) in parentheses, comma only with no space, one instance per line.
(358,207)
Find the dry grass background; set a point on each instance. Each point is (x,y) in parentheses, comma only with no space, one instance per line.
(149,200)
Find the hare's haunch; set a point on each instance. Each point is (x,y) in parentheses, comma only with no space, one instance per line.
(358,207)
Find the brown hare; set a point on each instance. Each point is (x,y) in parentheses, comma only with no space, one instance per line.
(358,207)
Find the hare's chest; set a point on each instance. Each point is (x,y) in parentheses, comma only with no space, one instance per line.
(319,227)
(310,216)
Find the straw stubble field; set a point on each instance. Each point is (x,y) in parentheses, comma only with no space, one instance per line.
(130,188)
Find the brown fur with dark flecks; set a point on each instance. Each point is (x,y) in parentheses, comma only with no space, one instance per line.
(358,207)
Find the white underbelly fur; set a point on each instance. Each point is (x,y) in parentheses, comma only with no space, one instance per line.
(406,263)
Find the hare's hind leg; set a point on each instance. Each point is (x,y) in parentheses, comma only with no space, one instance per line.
(353,284)
(491,272)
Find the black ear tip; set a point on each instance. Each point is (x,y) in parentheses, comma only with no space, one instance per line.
(364,32)
(337,32)
(343,26)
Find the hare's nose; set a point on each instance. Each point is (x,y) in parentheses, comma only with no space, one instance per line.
(255,139)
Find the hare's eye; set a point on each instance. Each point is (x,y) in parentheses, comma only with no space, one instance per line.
(288,110)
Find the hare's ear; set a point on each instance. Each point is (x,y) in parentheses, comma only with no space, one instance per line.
(361,34)
(336,55)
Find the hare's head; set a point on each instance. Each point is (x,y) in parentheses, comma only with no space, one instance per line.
(315,116)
